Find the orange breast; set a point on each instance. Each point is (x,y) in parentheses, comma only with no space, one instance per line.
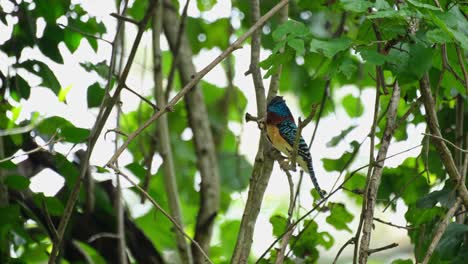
(277,140)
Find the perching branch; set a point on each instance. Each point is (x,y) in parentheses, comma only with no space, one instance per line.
(197,77)
(263,165)
(375,250)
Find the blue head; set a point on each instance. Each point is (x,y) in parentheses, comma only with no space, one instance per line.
(278,106)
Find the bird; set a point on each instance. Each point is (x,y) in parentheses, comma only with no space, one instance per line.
(281,130)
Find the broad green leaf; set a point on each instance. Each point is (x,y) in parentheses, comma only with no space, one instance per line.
(49,42)
(21,86)
(17,182)
(43,71)
(422,5)
(101,68)
(72,39)
(53,204)
(292,28)
(297,45)
(353,106)
(381,4)
(279,224)
(347,68)
(91,253)
(339,217)
(358,6)
(438,36)
(75,134)
(95,95)
(235,171)
(373,56)
(330,47)
(51,125)
(452,240)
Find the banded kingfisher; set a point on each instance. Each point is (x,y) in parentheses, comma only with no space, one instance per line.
(281,131)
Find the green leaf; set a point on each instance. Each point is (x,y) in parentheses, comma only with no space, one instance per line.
(95,95)
(17,182)
(205,5)
(438,36)
(50,125)
(372,56)
(358,6)
(49,42)
(353,106)
(235,171)
(91,253)
(21,85)
(291,28)
(72,39)
(53,204)
(381,4)
(337,139)
(62,96)
(279,224)
(42,70)
(452,240)
(330,47)
(422,5)
(347,68)
(101,68)
(75,134)
(137,169)
(339,217)
(297,45)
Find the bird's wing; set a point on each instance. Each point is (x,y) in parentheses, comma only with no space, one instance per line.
(288,130)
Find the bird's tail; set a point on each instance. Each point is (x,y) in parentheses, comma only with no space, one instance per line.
(314,179)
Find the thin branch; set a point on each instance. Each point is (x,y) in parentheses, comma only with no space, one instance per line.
(349,242)
(196,78)
(441,230)
(101,235)
(175,53)
(141,97)
(51,141)
(375,250)
(167,215)
(125,19)
(374,181)
(446,140)
(77,30)
(49,222)
(390,224)
(18,130)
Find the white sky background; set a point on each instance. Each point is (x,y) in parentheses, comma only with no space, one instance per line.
(277,195)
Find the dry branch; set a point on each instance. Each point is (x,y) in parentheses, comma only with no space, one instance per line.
(372,188)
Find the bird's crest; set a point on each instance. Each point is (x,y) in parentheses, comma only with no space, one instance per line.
(278,106)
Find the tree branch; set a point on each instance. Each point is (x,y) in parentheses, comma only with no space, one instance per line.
(164,142)
(374,181)
(440,231)
(433,124)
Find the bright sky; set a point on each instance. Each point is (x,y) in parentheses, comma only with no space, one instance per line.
(277,196)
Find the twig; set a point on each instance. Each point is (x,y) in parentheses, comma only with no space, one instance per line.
(156,204)
(284,242)
(115,130)
(390,224)
(440,231)
(176,51)
(49,222)
(126,19)
(375,250)
(155,107)
(349,242)
(18,130)
(446,140)
(196,78)
(77,30)
(51,141)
